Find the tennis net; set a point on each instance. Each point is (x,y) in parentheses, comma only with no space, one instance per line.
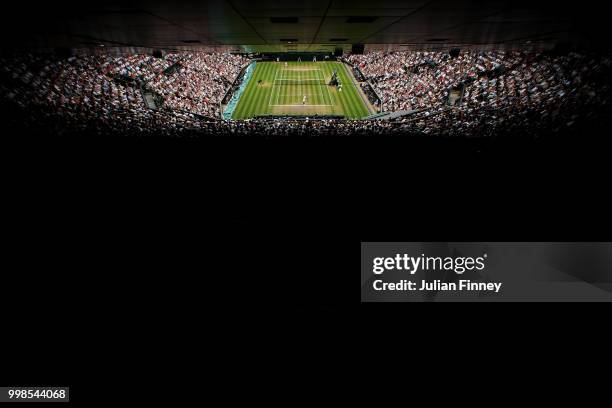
(300,82)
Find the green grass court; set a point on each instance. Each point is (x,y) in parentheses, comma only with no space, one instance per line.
(300,88)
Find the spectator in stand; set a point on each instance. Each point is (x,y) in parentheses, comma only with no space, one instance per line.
(503,93)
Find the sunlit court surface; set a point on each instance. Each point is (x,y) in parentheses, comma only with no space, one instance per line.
(301,88)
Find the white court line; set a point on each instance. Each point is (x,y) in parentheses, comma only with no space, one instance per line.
(322,77)
(321,91)
(302,106)
(307,94)
(301,69)
(300,92)
(295,81)
(279,90)
(285,78)
(299,85)
(272,91)
(331,100)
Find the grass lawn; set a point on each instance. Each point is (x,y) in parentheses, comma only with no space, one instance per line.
(300,88)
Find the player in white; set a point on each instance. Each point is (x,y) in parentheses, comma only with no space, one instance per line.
(304,100)
(285,64)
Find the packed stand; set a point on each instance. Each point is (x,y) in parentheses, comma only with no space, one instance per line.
(106,88)
(501,93)
(200,83)
(422,80)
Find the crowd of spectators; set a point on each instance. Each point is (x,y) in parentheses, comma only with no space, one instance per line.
(419,80)
(370,94)
(105,88)
(357,73)
(200,83)
(501,92)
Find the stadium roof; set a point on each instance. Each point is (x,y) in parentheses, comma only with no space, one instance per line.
(307,25)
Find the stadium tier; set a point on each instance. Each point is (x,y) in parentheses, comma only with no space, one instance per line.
(474,94)
(424,67)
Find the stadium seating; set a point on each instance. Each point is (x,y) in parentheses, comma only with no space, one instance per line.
(501,92)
